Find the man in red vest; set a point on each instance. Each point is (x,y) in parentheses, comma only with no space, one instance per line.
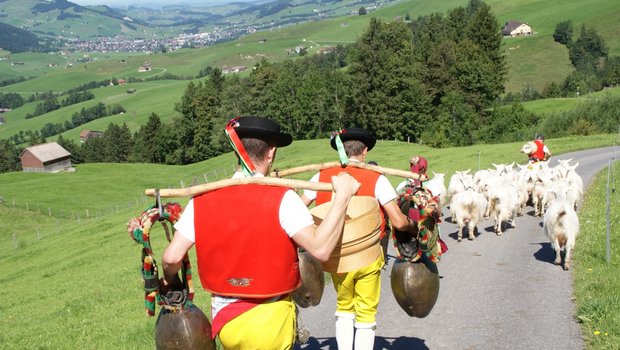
(358,291)
(246,240)
(542,151)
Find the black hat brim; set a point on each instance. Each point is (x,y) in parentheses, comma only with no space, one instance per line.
(357,134)
(263,129)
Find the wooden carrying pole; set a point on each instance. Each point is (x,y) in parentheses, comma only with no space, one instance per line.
(199,189)
(318,167)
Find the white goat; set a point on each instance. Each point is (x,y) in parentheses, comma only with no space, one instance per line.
(561,225)
(504,202)
(437,187)
(467,208)
(459,181)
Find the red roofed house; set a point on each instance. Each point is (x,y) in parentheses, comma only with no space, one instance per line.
(46,157)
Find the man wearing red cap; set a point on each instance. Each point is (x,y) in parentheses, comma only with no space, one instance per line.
(247,258)
(358,291)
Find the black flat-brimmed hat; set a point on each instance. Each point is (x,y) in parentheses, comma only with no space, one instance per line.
(262,128)
(354,133)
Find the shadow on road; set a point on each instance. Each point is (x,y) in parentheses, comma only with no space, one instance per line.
(545,253)
(400,343)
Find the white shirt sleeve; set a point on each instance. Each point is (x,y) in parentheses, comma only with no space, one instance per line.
(310,194)
(185,225)
(294,215)
(384,192)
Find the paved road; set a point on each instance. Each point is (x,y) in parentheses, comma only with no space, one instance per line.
(497,292)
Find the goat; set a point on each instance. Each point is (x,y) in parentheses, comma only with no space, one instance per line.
(467,208)
(561,225)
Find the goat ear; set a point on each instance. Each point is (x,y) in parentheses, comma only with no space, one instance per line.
(466,171)
(575,166)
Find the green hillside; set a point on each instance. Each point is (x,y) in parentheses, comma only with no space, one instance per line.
(66,19)
(78,270)
(150,97)
(534,60)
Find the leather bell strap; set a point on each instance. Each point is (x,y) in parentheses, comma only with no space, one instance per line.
(247,166)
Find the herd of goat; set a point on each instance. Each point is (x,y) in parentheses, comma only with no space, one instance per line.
(502,193)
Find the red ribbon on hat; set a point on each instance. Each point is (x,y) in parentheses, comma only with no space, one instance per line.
(246,163)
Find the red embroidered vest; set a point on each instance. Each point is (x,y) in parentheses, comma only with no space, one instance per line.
(242,250)
(367,178)
(540,153)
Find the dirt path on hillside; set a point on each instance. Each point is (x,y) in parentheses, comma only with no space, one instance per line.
(496,292)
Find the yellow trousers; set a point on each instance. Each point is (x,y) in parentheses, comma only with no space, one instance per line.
(358,292)
(268,326)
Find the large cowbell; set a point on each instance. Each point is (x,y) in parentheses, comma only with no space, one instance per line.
(186,328)
(312,281)
(415,286)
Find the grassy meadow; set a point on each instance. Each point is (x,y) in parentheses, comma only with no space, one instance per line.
(597,284)
(78,270)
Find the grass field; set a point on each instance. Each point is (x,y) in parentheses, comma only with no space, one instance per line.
(558,105)
(597,283)
(78,270)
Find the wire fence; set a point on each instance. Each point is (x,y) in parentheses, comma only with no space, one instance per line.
(59,219)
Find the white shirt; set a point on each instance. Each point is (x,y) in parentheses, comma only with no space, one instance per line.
(294,215)
(384,192)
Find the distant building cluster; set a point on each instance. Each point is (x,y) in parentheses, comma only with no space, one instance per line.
(123,44)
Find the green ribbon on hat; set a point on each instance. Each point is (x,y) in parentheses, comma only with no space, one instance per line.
(344,160)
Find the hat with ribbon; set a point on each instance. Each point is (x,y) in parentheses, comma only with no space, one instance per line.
(354,133)
(261,128)
(254,127)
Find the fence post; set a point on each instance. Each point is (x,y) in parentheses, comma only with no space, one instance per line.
(49,211)
(206,178)
(27,206)
(607,214)
(87,214)
(78,218)
(38,234)
(182,184)
(479,159)
(14,240)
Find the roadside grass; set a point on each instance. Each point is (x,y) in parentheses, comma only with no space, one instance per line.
(73,282)
(597,283)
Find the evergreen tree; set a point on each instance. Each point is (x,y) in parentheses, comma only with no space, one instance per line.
(146,142)
(9,157)
(71,147)
(385,89)
(585,53)
(117,144)
(563,33)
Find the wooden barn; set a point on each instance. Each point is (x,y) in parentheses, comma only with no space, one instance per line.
(47,157)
